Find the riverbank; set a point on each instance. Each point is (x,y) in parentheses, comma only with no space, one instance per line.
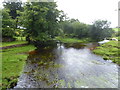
(13,60)
(4,44)
(72,40)
(109,51)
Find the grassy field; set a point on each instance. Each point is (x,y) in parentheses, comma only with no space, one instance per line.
(13,60)
(72,40)
(109,51)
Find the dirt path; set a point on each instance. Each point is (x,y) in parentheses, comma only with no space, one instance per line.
(12,46)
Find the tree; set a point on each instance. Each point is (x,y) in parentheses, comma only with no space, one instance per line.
(80,30)
(7,24)
(13,7)
(41,20)
(74,28)
(100,30)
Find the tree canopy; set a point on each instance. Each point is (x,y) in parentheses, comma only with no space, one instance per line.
(13,7)
(100,30)
(41,20)
(7,24)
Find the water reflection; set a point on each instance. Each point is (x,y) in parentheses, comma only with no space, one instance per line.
(67,67)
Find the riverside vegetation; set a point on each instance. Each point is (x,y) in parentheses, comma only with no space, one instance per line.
(109,51)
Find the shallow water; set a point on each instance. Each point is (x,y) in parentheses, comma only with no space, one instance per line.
(68,68)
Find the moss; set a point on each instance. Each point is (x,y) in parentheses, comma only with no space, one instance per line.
(109,51)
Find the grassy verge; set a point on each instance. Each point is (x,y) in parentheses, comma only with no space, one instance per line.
(109,51)
(12,43)
(13,60)
(72,40)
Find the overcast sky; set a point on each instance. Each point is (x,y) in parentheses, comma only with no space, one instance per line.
(87,11)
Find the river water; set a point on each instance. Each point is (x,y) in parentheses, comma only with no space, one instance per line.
(69,67)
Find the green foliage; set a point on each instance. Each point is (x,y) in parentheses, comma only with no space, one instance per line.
(7,24)
(74,28)
(19,32)
(13,7)
(8,32)
(41,20)
(100,30)
(11,18)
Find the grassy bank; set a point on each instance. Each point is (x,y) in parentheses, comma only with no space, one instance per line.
(12,43)
(109,51)
(72,40)
(13,60)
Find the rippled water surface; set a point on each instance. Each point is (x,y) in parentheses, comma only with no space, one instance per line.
(68,68)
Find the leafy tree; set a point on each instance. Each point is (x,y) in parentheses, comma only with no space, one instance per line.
(7,24)
(13,7)
(80,30)
(100,30)
(74,28)
(41,20)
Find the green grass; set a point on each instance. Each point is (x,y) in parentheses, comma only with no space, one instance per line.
(116,29)
(12,43)
(109,51)
(13,60)
(72,40)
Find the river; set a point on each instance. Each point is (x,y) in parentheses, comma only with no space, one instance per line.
(69,67)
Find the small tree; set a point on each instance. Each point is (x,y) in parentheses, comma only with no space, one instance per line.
(100,30)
